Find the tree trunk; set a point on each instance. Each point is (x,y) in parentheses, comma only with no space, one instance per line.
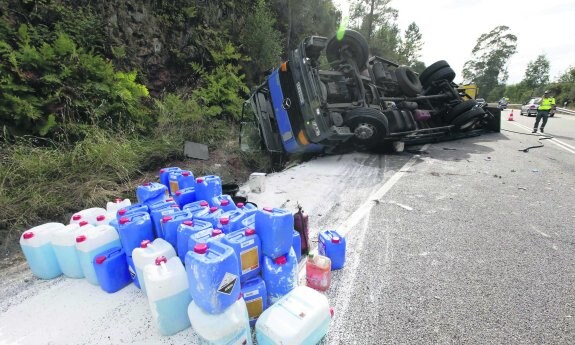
(370,22)
(289,26)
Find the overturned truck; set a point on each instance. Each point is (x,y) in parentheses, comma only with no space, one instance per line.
(354,100)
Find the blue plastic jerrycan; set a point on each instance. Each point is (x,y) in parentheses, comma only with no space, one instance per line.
(165,176)
(280,275)
(204,236)
(185,196)
(112,270)
(133,229)
(332,245)
(249,208)
(134,208)
(225,202)
(213,276)
(180,180)
(151,192)
(234,221)
(275,228)
(296,245)
(170,224)
(133,271)
(247,247)
(197,206)
(160,213)
(249,221)
(255,294)
(185,230)
(212,215)
(39,252)
(208,187)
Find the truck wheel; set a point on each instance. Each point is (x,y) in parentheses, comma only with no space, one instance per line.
(434,67)
(466,120)
(352,43)
(460,109)
(369,127)
(446,73)
(408,81)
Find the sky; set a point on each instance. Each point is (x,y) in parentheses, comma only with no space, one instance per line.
(450,30)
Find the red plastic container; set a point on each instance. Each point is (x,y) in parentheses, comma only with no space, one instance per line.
(318,272)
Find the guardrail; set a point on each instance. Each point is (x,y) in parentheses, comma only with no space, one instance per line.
(565,111)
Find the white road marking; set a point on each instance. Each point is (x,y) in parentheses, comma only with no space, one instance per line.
(554,141)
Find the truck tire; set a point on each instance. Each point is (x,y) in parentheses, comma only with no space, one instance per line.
(434,67)
(446,73)
(469,118)
(369,127)
(460,109)
(408,81)
(354,43)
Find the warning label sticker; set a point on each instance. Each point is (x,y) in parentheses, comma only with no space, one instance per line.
(228,283)
(250,260)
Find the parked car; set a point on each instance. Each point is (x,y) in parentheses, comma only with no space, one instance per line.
(480,102)
(530,108)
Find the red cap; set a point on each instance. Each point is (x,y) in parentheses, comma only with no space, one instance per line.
(225,202)
(250,232)
(268,209)
(161,259)
(188,222)
(122,212)
(28,235)
(201,248)
(240,205)
(166,219)
(100,259)
(178,193)
(124,220)
(224,220)
(82,223)
(186,173)
(76,217)
(216,232)
(213,209)
(145,243)
(100,218)
(281,260)
(241,295)
(169,199)
(118,200)
(80,238)
(146,184)
(335,239)
(199,180)
(203,203)
(162,171)
(331,311)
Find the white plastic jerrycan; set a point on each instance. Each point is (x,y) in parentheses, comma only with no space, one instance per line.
(116,205)
(146,255)
(228,328)
(88,215)
(64,244)
(90,243)
(300,317)
(37,247)
(167,290)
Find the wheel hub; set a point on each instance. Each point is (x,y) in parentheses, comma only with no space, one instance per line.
(364,131)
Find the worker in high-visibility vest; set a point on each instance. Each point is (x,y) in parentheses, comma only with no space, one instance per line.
(545,105)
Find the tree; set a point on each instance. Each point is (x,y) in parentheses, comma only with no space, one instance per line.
(491,54)
(369,16)
(411,44)
(568,76)
(537,72)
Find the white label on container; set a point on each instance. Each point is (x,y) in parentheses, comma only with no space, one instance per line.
(247,243)
(242,339)
(251,293)
(228,283)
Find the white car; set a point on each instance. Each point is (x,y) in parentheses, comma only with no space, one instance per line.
(530,108)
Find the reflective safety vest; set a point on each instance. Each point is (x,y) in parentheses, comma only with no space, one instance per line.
(546,103)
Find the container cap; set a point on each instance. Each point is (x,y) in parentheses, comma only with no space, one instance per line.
(204,203)
(225,202)
(201,248)
(100,218)
(188,223)
(268,209)
(82,223)
(161,259)
(80,238)
(224,220)
(162,171)
(100,259)
(178,193)
(250,232)
(335,239)
(240,205)
(281,260)
(213,209)
(76,217)
(199,180)
(186,173)
(124,220)
(28,235)
(146,184)
(331,312)
(166,219)
(216,232)
(122,211)
(145,243)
